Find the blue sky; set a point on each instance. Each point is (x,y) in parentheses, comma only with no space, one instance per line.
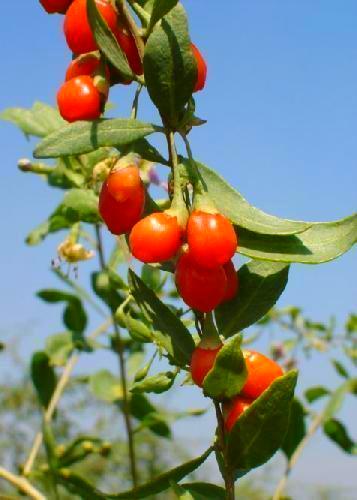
(281,105)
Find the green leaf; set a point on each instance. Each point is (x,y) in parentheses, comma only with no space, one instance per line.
(260,430)
(337,432)
(229,373)
(159,10)
(204,491)
(79,205)
(296,429)
(107,42)
(159,383)
(314,393)
(146,151)
(322,242)
(59,347)
(53,224)
(260,286)
(169,66)
(74,316)
(105,289)
(152,277)
(351,324)
(84,137)
(149,416)
(168,330)
(232,204)
(181,493)
(105,387)
(341,370)
(337,398)
(79,486)
(43,377)
(38,121)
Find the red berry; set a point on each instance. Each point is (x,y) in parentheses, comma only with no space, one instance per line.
(262,371)
(211,239)
(84,65)
(124,183)
(52,6)
(79,99)
(233,409)
(120,217)
(232,281)
(201,288)
(77,29)
(156,238)
(201,68)
(128,46)
(201,363)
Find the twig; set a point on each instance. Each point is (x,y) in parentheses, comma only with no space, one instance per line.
(228,476)
(296,455)
(134,108)
(22,484)
(56,396)
(123,376)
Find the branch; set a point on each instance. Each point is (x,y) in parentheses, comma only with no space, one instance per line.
(56,396)
(22,484)
(296,455)
(123,375)
(228,477)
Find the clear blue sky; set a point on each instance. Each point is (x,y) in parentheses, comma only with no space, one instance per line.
(281,105)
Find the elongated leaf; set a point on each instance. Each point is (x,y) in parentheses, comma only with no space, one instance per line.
(260,286)
(337,432)
(204,491)
(84,137)
(74,316)
(43,377)
(146,151)
(53,224)
(105,387)
(106,41)
(229,373)
(167,326)
(322,242)
(314,393)
(159,383)
(79,486)
(296,429)
(59,347)
(336,400)
(232,204)
(260,430)
(38,121)
(169,65)
(79,205)
(149,416)
(340,369)
(159,10)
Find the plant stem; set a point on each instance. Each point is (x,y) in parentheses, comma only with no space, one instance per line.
(124,11)
(296,455)
(140,12)
(123,375)
(228,476)
(134,108)
(22,484)
(200,183)
(56,396)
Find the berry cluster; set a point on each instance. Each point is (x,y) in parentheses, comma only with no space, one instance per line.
(89,76)
(205,275)
(262,371)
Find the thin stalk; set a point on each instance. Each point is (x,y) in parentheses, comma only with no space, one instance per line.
(135,106)
(228,475)
(296,455)
(56,396)
(123,374)
(22,484)
(200,183)
(140,12)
